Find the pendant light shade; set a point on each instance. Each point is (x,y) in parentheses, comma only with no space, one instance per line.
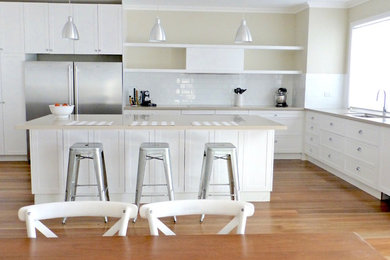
(70,31)
(157,34)
(243,34)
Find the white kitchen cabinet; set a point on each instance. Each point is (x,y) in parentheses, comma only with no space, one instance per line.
(85,18)
(43,28)
(12,88)
(100,29)
(11,27)
(58,16)
(110,29)
(384,158)
(36,26)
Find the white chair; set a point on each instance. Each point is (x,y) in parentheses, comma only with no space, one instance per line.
(240,210)
(34,213)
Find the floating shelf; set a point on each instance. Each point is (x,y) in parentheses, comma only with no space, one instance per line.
(291,72)
(251,47)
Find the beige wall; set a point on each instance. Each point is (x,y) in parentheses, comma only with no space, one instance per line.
(327,40)
(211,27)
(301,36)
(370,8)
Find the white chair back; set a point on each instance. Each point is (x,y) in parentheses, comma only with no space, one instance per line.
(240,210)
(34,213)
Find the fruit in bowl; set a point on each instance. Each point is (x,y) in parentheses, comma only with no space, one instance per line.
(61,111)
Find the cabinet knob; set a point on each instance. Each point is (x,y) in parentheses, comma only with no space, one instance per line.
(311,150)
(358,169)
(331,124)
(330,139)
(311,127)
(360,132)
(96,50)
(359,149)
(329,155)
(311,138)
(312,118)
(276,141)
(2,102)
(1,49)
(275,115)
(99,50)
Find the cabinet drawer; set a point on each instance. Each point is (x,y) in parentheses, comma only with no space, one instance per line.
(361,171)
(288,144)
(362,151)
(333,124)
(332,157)
(332,140)
(363,132)
(198,112)
(232,112)
(277,114)
(312,139)
(312,150)
(312,117)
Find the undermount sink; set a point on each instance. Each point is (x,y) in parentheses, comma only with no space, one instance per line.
(367,115)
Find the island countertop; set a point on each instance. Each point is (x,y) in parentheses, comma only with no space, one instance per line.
(166,122)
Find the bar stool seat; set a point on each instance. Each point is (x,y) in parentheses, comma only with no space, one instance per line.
(153,151)
(94,152)
(218,151)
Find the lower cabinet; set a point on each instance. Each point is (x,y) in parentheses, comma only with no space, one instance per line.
(50,155)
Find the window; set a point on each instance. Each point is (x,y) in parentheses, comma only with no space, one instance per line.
(369,63)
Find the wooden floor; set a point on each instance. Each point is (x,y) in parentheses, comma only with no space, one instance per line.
(305,199)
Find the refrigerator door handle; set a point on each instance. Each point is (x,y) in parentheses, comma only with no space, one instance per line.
(76,91)
(70,84)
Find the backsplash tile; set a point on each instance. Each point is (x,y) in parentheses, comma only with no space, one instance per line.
(177,89)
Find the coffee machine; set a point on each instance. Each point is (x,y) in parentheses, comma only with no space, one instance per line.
(281,97)
(145,99)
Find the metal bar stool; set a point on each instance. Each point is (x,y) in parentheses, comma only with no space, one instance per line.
(216,151)
(153,151)
(91,151)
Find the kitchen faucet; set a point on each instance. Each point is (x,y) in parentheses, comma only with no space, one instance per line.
(384,99)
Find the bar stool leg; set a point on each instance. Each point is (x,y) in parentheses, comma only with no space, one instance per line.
(168,176)
(71,178)
(208,168)
(140,178)
(200,193)
(231,178)
(99,173)
(234,166)
(105,183)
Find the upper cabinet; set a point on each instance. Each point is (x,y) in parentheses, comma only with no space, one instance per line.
(100,29)
(43,28)
(99,26)
(11,27)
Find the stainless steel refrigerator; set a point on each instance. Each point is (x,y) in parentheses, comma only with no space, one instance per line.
(93,87)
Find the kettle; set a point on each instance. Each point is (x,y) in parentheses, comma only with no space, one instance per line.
(281,97)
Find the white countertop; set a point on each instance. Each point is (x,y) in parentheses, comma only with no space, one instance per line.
(351,114)
(166,122)
(200,107)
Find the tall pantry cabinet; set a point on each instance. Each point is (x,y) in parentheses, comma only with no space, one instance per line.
(12,102)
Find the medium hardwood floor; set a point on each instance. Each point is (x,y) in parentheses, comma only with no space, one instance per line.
(305,199)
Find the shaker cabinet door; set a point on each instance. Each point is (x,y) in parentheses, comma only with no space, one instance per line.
(11,28)
(58,16)
(36,27)
(85,18)
(110,29)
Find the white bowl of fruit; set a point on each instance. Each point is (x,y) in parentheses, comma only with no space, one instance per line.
(61,111)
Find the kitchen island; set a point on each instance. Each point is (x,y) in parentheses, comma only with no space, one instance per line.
(122,136)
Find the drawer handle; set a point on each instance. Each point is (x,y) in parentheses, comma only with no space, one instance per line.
(360,132)
(329,155)
(276,141)
(358,169)
(359,149)
(330,139)
(275,115)
(331,124)
(311,138)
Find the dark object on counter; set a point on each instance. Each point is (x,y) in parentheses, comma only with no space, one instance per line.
(239,90)
(281,97)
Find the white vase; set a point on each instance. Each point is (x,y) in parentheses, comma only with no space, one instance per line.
(238,100)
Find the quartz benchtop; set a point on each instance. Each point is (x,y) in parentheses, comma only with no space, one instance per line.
(193,107)
(163,122)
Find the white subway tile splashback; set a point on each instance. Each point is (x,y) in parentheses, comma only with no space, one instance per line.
(209,89)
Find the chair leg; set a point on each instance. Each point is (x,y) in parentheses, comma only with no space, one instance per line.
(168,176)
(140,178)
(100,178)
(208,168)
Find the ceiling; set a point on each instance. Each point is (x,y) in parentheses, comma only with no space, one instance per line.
(240,5)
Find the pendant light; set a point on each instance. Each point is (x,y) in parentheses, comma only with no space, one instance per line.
(243,34)
(70,31)
(157,34)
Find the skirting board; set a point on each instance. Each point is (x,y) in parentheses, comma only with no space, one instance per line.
(254,196)
(373,192)
(9,158)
